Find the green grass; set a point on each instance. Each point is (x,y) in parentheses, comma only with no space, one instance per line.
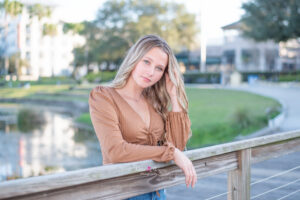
(49,93)
(17,92)
(57,80)
(57,98)
(84,118)
(289,77)
(217,115)
(102,76)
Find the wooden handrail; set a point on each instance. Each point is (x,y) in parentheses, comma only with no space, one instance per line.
(119,181)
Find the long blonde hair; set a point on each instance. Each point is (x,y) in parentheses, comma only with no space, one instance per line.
(157,93)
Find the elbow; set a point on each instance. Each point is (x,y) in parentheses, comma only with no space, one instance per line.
(114,158)
(115,153)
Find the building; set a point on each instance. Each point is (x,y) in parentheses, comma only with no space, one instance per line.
(41,54)
(191,59)
(246,55)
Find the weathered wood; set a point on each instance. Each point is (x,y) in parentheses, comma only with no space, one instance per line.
(239,179)
(239,145)
(266,152)
(139,183)
(79,178)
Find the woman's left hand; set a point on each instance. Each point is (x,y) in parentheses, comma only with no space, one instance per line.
(171,88)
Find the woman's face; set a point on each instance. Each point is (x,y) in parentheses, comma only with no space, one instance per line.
(150,68)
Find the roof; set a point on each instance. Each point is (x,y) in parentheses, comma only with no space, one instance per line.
(234,25)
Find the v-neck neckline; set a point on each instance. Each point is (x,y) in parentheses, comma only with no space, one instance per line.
(148,107)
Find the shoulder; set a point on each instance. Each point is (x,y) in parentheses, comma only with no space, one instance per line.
(101,103)
(101,89)
(100,93)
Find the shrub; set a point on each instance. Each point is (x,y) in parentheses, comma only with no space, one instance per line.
(29,120)
(242,117)
(103,76)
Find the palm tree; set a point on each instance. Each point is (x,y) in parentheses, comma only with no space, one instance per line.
(12,9)
(39,10)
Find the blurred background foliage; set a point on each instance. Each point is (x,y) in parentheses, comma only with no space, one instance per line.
(119,23)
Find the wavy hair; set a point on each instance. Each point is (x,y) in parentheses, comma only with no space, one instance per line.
(157,94)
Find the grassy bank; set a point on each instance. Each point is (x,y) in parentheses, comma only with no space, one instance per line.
(218,116)
(45,92)
(22,92)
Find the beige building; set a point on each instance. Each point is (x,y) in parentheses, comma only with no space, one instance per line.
(246,55)
(44,55)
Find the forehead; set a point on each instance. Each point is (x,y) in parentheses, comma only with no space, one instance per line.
(158,56)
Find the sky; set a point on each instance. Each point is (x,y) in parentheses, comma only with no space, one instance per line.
(217,13)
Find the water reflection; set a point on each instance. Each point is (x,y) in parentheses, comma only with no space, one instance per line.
(53,146)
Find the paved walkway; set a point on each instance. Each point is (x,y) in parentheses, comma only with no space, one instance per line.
(212,186)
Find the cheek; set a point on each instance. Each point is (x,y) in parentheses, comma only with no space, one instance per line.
(158,77)
(136,71)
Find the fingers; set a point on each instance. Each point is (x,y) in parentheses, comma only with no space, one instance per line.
(195,177)
(187,177)
(190,176)
(187,167)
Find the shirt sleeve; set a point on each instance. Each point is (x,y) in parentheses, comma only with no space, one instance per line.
(106,125)
(178,129)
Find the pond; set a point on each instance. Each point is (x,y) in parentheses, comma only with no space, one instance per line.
(37,140)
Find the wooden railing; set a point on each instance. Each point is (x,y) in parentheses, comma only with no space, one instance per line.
(124,180)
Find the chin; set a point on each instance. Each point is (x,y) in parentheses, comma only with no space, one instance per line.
(143,84)
(146,85)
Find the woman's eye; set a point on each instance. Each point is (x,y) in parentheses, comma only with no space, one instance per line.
(159,68)
(146,61)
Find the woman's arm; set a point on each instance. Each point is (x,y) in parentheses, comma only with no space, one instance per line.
(175,105)
(178,129)
(178,124)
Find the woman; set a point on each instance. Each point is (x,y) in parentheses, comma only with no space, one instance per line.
(131,116)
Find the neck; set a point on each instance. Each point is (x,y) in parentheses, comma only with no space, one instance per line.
(132,90)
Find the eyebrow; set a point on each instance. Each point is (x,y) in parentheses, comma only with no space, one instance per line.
(152,60)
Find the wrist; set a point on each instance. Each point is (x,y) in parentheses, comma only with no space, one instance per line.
(176,153)
(173,98)
(175,106)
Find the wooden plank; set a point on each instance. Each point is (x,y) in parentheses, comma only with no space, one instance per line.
(73,178)
(239,179)
(78,177)
(243,144)
(139,183)
(266,152)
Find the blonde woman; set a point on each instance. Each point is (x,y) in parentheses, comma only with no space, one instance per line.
(143,113)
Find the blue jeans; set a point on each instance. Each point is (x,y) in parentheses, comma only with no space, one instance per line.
(150,196)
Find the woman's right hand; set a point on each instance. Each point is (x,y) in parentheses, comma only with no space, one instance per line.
(187,167)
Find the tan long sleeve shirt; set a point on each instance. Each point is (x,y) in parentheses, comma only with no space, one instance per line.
(123,135)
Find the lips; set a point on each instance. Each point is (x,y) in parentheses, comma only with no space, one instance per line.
(146,79)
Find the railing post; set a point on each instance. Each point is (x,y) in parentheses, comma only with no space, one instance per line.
(239,179)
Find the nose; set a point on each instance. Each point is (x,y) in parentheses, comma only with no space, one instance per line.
(150,70)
